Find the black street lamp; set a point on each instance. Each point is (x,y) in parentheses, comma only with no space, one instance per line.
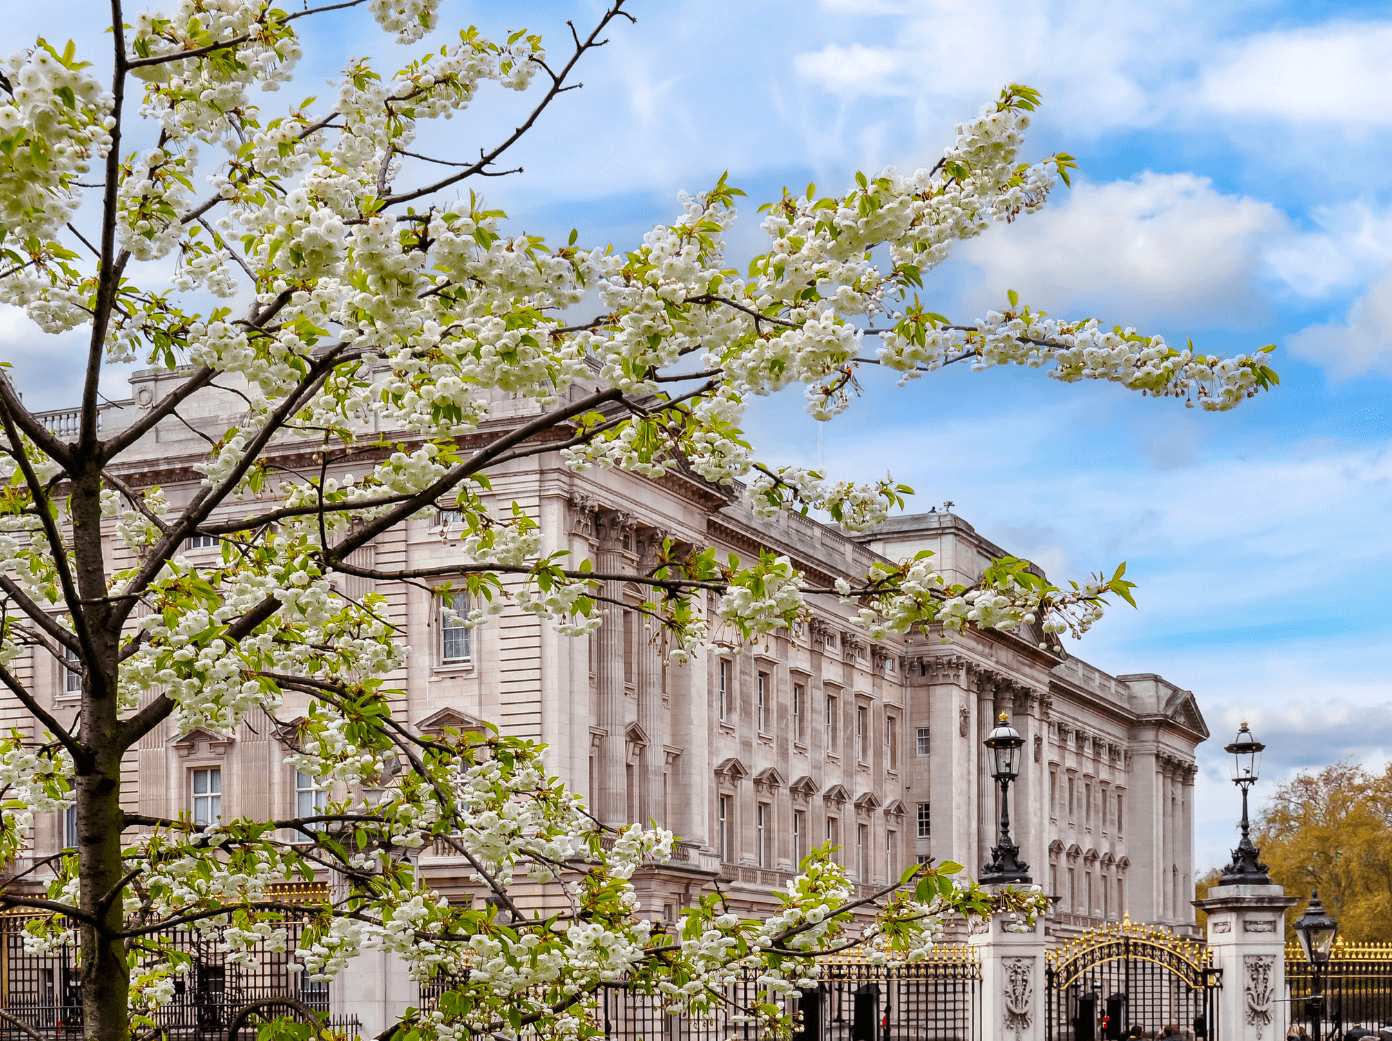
(1004,745)
(1246,867)
(1316,931)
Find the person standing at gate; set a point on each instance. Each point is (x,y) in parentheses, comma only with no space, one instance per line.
(1296,1033)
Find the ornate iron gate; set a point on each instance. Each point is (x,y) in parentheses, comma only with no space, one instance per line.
(1126,975)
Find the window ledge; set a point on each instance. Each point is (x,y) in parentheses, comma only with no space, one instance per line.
(453,667)
(725,726)
(800,746)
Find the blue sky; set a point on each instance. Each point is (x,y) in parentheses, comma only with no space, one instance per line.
(1233,189)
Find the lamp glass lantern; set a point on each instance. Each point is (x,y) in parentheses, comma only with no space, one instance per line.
(1316,931)
(1005,743)
(1246,751)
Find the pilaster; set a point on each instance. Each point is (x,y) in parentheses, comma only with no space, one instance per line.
(1246,933)
(1012,978)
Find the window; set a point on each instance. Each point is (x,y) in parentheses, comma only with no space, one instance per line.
(726,672)
(207,795)
(449,518)
(456,638)
(200,542)
(891,742)
(799,835)
(1121,896)
(923,858)
(833,724)
(310,798)
(892,865)
(862,734)
(833,836)
(725,827)
(763,833)
(761,703)
(1087,803)
(863,852)
(1053,794)
(799,712)
(1072,796)
(70,827)
(72,671)
(1120,804)
(1072,889)
(1087,891)
(1106,898)
(925,820)
(923,741)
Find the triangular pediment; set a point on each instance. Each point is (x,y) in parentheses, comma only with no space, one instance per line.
(1183,708)
(732,769)
(450,719)
(837,793)
(868,801)
(805,786)
(204,738)
(636,735)
(769,777)
(894,809)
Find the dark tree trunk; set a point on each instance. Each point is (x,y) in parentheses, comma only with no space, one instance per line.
(105,974)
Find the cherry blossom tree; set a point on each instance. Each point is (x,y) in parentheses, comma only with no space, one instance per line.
(330,269)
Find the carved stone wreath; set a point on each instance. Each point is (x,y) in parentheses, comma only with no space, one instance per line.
(1256,991)
(1018,996)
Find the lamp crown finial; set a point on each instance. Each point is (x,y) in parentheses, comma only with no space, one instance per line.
(1004,717)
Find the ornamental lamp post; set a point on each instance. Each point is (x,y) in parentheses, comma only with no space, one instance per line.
(1316,930)
(1004,744)
(1246,868)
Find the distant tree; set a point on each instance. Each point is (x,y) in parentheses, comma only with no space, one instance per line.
(332,271)
(1332,831)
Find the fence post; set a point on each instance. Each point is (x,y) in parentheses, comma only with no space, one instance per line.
(1012,978)
(1247,935)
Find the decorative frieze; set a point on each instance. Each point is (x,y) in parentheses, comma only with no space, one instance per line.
(1018,996)
(1258,993)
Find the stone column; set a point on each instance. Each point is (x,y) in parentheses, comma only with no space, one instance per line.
(648,685)
(1246,933)
(1012,979)
(612,556)
(376,987)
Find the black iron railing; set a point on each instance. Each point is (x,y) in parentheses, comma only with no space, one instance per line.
(1108,981)
(935,1000)
(41,991)
(1356,987)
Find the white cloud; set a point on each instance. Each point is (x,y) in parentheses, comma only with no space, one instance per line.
(860,8)
(1144,250)
(1332,73)
(852,69)
(1100,65)
(1349,243)
(1361,342)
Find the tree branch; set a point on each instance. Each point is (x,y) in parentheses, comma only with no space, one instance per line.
(557,88)
(60,733)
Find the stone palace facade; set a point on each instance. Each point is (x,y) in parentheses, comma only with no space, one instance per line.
(753,756)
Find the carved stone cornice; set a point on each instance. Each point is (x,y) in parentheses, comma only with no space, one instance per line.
(615,529)
(584,510)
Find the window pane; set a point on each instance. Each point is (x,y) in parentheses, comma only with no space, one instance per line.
(456,643)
